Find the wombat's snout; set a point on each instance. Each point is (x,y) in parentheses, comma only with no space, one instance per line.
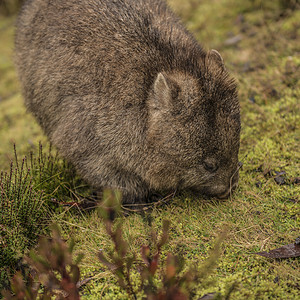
(222,191)
(227,193)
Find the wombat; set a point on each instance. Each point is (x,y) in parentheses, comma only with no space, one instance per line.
(129,97)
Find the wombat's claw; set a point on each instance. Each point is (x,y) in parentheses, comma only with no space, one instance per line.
(151,201)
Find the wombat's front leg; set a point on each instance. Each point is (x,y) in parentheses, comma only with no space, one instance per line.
(133,189)
(133,198)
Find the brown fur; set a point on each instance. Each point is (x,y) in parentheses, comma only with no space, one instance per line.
(128,96)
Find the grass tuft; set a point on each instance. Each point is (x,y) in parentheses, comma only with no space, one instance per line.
(28,197)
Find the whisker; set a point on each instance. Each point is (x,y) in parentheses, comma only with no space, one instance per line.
(239,166)
(147,206)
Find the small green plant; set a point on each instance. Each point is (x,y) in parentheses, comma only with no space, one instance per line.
(22,213)
(28,196)
(56,177)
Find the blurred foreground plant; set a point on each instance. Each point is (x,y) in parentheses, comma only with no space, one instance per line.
(282,4)
(167,280)
(291,4)
(54,273)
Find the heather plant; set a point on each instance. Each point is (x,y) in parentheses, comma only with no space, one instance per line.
(161,276)
(53,272)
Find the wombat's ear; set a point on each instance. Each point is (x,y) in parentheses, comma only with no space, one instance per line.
(161,91)
(214,55)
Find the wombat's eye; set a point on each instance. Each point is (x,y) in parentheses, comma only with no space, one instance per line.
(210,165)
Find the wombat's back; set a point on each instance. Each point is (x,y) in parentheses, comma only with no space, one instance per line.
(75,41)
(96,47)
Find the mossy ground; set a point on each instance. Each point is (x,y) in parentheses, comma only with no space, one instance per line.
(259,42)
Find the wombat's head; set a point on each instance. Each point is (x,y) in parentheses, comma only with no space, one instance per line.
(194,123)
